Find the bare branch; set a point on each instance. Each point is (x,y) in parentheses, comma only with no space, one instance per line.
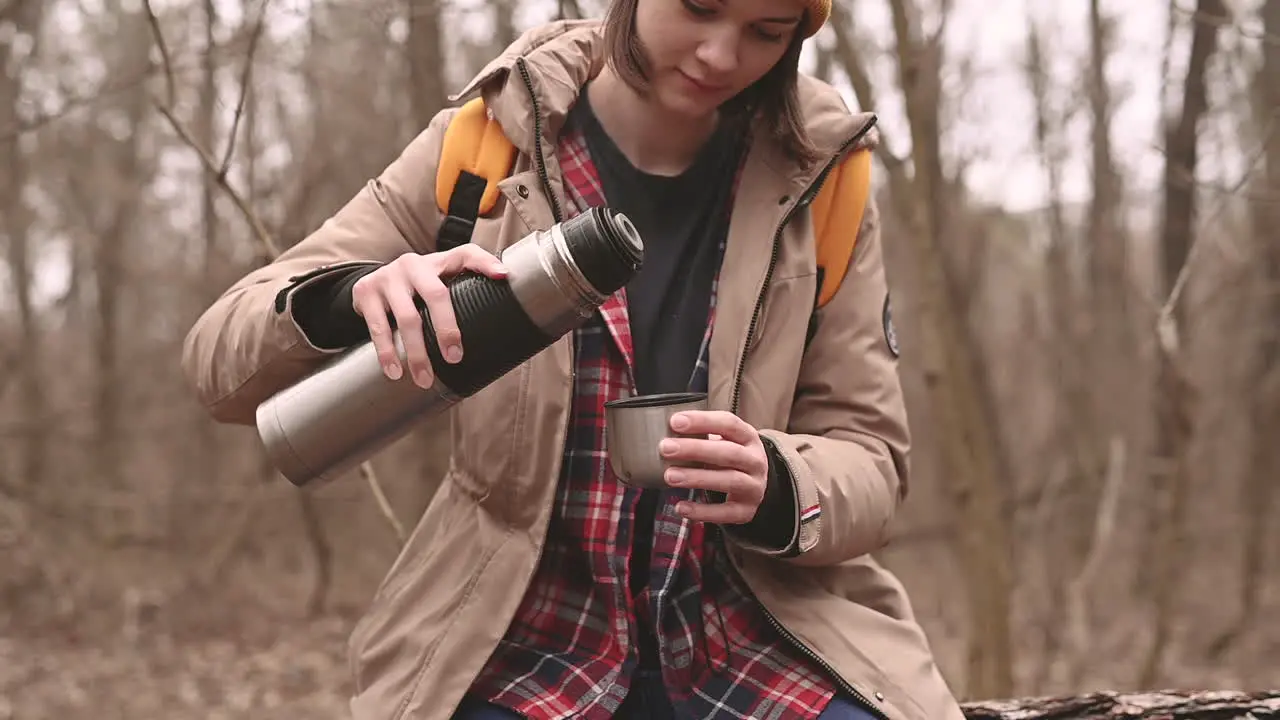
(166,60)
(366,472)
(1166,326)
(40,120)
(1103,529)
(246,82)
(860,78)
(219,171)
(211,166)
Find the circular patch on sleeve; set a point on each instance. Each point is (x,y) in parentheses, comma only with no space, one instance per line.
(890,334)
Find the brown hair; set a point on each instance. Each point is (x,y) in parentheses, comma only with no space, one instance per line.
(774,97)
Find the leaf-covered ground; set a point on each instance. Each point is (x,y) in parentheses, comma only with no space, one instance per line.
(300,672)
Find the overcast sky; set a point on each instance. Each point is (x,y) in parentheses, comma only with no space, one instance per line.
(994,118)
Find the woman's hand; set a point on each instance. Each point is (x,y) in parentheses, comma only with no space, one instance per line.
(732,462)
(390,290)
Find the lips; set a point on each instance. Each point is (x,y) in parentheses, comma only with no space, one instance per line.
(702,86)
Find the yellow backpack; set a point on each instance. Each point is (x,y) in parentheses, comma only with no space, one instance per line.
(477,155)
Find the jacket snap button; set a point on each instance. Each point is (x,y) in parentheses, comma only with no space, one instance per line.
(522,191)
(880,696)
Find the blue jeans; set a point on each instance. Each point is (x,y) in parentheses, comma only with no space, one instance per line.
(647,700)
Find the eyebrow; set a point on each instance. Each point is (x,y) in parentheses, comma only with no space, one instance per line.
(781,20)
(793,20)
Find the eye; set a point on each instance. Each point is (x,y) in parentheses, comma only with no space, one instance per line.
(767,35)
(698,10)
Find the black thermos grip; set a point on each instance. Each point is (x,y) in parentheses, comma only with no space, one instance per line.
(497,334)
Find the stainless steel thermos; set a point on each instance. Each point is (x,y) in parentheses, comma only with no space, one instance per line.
(343,413)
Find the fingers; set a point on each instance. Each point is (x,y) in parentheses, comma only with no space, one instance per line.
(468,257)
(715,422)
(426,278)
(728,513)
(399,298)
(367,301)
(716,454)
(435,295)
(742,494)
(733,483)
(391,290)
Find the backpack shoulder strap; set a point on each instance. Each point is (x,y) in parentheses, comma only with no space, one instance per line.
(837,217)
(475,156)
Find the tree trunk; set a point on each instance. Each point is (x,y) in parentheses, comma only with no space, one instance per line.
(1173,390)
(1266,402)
(504,24)
(15,223)
(1264,459)
(1196,705)
(1111,341)
(425,53)
(111,252)
(955,387)
(205,462)
(1080,450)
(954,384)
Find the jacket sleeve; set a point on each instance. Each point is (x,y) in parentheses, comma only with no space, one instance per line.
(847,439)
(248,345)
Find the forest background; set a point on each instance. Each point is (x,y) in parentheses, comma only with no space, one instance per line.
(1081,204)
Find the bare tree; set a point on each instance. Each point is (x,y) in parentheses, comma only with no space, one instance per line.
(504,23)
(124,156)
(1107,242)
(1068,335)
(206,439)
(425,54)
(1258,496)
(1174,410)
(955,384)
(138,179)
(15,224)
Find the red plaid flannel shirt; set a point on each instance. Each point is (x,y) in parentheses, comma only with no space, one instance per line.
(573,644)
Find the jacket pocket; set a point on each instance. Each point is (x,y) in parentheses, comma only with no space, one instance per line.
(485,433)
(786,300)
(436,522)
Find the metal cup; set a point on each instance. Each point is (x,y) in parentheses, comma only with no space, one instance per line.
(633,428)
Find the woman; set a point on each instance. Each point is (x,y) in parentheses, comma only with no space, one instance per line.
(535,585)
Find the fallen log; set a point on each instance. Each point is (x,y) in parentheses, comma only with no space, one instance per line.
(1165,705)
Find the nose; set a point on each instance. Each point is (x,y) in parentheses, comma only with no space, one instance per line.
(718,51)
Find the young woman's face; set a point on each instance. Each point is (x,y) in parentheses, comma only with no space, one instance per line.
(704,52)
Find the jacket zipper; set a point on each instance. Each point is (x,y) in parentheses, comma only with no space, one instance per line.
(803,201)
(537,142)
(805,198)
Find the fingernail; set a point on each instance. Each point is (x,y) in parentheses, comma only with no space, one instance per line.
(453,353)
(679,421)
(675,477)
(422,378)
(667,446)
(393,371)
(502,270)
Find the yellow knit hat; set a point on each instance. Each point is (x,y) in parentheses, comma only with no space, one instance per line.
(819,11)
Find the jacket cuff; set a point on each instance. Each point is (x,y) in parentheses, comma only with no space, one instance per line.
(319,303)
(775,530)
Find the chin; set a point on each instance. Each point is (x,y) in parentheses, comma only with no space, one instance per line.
(684,105)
